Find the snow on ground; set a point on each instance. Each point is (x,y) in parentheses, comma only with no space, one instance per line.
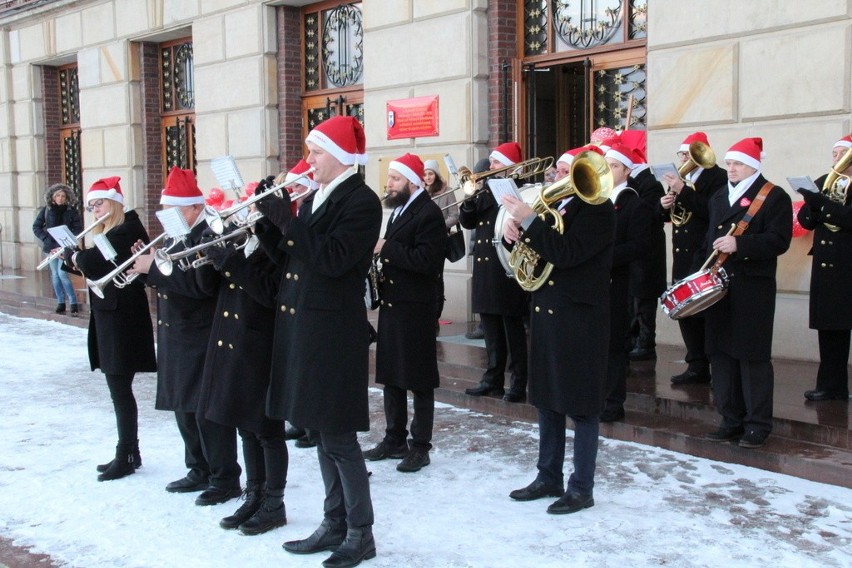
(653,507)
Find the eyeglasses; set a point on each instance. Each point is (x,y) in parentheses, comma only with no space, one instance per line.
(682,155)
(94,204)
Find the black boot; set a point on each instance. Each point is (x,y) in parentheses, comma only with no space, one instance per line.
(517,392)
(359,545)
(254,498)
(329,536)
(137,460)
(122,465)
(60,308)
(484,388)
(271,514)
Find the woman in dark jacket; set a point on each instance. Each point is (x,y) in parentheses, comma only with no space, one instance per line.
(121,337)
(59,209)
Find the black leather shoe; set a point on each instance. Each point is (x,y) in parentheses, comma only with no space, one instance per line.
(216,495)
(643,354)
(414,461)
(613,414)
(514,396)
(384,451)
(269,516)
(818,395)
(329,536)
(753,439)
(253,500)
(485,389)
(305,442)
(536,490)
(690,377)
(571,502)
(293,433)
(725,434)
(188,484)
(359,545)
(475,334)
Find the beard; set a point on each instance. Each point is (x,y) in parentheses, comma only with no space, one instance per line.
(398,199)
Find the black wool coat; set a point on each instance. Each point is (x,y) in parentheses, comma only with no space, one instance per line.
(239,354)
(831,268)
(569,318)
(689,238)
(121,337)
(492,291)
(186,302)
(741,324)
(320,359)
(648,274)
(412,258)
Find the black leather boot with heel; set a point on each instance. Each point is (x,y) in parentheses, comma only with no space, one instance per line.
(122,466)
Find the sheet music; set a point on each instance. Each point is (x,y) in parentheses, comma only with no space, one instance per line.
(226,172)
(63,235)
(501,187)
(803,182)
(660,170)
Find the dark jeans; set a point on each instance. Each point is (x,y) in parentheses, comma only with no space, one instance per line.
(551,450)
(833,374)
(266,458)
(396,414)
(124,405)
(344,474)
(742,392)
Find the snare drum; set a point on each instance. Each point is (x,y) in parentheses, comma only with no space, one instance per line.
(694,293)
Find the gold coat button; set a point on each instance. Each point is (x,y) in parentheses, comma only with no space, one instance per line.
(236,316)
(227,274)
(822,242)
(290,243)
(159,322)
(231,286)
(537,309)
(390,305)
(165,296)
(230,346)
(225,313)
(288,276)
(822,265)
(292,311)
(219,343)
(159,295)
(295,277)
(481,223)
(550,282)
(719,227)
(677,250)
(526,240)
(283,308)
(550,312)
(391,281)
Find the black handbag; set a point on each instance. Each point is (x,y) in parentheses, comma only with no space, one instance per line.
(455,245)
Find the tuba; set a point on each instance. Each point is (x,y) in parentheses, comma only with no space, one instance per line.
(700,155)
(836,184)
(591,180)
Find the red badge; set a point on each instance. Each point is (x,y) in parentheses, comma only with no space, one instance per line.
(745,202)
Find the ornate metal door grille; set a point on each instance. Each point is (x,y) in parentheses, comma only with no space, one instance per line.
(69,131)
(177,116)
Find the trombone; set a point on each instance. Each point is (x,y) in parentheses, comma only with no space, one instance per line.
(700,155)
(216,219)
(165,261)
(469,181)
(118,276)
(58,252)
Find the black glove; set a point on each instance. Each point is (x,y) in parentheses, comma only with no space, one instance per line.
(264,184)
(208,235)
(67,253)
(813,199)
(219,255)
(276,210)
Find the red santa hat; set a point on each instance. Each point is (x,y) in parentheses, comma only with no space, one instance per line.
(181,189)
(106,188)
(568,156)
(602,134)
(342,137)
(846,142)
(624,154)
(411,167)
(508,154)
(748,151)
(295,173)
(694,137)
(638,140)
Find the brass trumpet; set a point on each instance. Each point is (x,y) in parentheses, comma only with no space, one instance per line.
(700,155)
(832,186)
(118,276)
(165,260)
(469,181)
(58,252)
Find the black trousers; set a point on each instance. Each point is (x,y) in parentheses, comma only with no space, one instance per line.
(219,444)
(616,380)
(193,452)
(551,450)
(505,337)
(743,391)
(344,474)
(396,415)
(692,331)
(124,405)
(266,458)
(833,374)
(643,322)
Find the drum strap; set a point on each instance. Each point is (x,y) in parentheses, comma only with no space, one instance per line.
(742,225)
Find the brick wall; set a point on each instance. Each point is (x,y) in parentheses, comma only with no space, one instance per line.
(502,47)
(152,146)
(289,86)
(52,120)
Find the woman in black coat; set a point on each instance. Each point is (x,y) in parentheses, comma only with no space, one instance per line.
(121,337)
(59,209)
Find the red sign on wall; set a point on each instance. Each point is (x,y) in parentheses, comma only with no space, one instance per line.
(412,118)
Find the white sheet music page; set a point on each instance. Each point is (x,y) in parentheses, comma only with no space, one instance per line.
(501,187)
(63,235)
(802,182)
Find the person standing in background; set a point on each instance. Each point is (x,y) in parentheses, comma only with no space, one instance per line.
(437,189)
(59,209)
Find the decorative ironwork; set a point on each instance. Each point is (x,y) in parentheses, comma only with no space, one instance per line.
(638,19)
(586,23)
(73,164)
(356,110)
(343,45)
(535,27)
(177,77)
(613,88)
(317,115)
(312,57)
(69,96)
(180,144)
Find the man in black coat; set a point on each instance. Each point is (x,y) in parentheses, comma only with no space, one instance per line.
(569,338)
(186,303)
(686,207)
(831,272)
(633,229)
(412,254)
(499,301)
(740,325)
(320,365)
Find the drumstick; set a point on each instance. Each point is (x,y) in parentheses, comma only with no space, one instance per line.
(716,251)
(629,112)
